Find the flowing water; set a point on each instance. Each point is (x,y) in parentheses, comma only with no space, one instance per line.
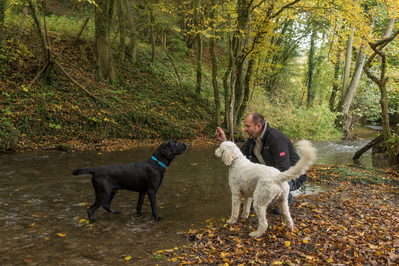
(43,206)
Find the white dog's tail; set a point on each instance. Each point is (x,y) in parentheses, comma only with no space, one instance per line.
(308,157)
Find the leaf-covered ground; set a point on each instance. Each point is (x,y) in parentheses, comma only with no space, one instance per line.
(354,223)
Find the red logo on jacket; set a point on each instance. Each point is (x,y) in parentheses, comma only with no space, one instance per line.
(282,154)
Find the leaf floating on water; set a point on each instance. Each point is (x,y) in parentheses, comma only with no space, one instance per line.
(58,200)
(28,261)
(128,257)
(61,235)
(84,221)
(159,257)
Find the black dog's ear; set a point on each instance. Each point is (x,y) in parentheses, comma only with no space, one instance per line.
(166,150)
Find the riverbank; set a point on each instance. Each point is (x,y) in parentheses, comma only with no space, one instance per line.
(352,224)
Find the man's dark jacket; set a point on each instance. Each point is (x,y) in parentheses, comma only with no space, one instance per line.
(277,152)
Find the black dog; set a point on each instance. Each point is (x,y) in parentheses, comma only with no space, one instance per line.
(143,177)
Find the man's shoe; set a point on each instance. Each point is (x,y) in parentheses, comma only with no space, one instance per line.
(277,211)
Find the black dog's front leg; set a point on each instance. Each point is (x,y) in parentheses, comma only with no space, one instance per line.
(140,202)
(153,200)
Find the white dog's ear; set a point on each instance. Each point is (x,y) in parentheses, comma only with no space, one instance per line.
(218,153)
(228,156)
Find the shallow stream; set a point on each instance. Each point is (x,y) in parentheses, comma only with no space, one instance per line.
(43,206)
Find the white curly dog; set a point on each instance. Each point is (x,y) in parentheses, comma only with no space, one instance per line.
(265,184)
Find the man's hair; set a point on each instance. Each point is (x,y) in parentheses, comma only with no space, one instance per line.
(257,118)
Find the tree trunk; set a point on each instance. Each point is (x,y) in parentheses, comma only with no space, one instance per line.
(347,72)
(369,145)
(39,29)
(233,80)
(335,87)
(22,24)
(226,96)
(381,82)
(214,70)
(152,32)
(121,29)
(239,42)
(345,83)
(311,67)
(132,31)
(2,18)
(247,82)
(175,68)
(196,20)
(104,12)
(346,124)
(239,86)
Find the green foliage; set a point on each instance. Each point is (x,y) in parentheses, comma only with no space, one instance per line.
(316,124)
(3,7)
(366,102)
(357,175)
(10,53)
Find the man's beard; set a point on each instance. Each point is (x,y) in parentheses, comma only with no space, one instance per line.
(250,135)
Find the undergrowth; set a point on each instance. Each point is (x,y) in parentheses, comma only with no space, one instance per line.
(281,112)
(141,103)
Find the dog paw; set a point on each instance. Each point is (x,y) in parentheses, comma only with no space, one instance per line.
(229,221)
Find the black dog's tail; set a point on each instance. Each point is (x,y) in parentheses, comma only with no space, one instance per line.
(88,170)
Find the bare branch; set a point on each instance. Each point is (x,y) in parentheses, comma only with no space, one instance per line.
(174,66)
(75,82)
(285,7)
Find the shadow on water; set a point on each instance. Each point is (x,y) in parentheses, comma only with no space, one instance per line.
(43,205)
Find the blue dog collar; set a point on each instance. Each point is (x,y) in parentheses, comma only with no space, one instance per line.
(159,162)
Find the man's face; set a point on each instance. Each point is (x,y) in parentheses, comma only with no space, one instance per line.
(252,130)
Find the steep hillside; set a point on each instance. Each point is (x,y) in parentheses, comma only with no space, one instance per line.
(142,104)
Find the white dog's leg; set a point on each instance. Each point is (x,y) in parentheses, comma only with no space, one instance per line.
(246,208)
(261,214)
(235,207)
(283,206)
